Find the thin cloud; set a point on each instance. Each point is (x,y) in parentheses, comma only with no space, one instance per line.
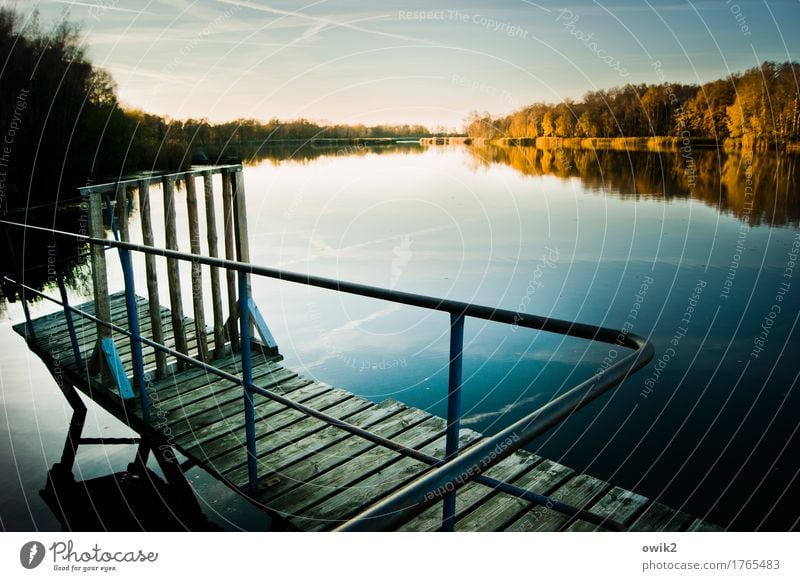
(328,22)
(101,7)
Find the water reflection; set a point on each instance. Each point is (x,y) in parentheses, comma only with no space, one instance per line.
(36,257)
(304,151)
(132,500)
(758,188)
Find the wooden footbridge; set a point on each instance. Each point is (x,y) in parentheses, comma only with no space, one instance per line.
(320,458)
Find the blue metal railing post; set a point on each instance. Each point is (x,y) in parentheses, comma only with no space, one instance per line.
(247,381)
(133,324)
(28,320)
(73,337)
(453,410)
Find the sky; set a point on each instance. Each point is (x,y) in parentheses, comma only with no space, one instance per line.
(411,61)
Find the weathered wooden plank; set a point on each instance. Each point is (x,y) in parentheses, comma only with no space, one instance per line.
(225,407)
(216,294)
(98,259)
(578,491)
(177,381)
(351,500)
(196,268)
(316,490)
(322,474)
(617,504)
(184,395)
(156,324)
(230,445)
(264,408)
(659,517)
(298,462)
(473,495)
(502,508)
(173,272)
(186,404)
(290,427)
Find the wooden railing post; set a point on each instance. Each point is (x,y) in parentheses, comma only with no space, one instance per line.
(240,228)
(102,303)
(230,254)
(173,272)
(216,295)
(197,272)
(137,357)
(152,278)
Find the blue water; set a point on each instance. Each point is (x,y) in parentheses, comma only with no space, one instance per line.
(709,427)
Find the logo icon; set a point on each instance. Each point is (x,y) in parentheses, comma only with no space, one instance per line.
(31,554)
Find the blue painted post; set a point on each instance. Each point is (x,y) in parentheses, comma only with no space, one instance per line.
(247,380)
(73,338)
(28,320)
(133,324)
(453,410)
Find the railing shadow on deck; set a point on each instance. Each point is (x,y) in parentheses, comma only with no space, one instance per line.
(446,476)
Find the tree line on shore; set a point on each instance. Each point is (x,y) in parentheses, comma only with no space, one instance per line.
(62,125)
(761,104)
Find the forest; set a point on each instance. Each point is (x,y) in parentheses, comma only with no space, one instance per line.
(759,105)
(63,126)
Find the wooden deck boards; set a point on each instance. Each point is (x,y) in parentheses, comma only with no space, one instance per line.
(316,475)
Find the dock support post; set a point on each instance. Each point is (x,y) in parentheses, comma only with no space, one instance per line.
(130,303)
(152,278)
(173,271)
(211,233)
(62,289)
(197,271)
(230,254)
(242,237)
(453,410)
(105,359)
(247,380)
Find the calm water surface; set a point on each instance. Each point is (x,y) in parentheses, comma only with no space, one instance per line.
(701,266)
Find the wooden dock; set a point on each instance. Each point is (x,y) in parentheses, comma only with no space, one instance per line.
(315,475)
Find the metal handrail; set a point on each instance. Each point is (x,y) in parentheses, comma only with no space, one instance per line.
(156,178)
(456,470)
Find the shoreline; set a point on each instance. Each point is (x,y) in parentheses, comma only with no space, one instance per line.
(665,144)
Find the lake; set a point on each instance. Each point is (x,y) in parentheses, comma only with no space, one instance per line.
(697,253)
